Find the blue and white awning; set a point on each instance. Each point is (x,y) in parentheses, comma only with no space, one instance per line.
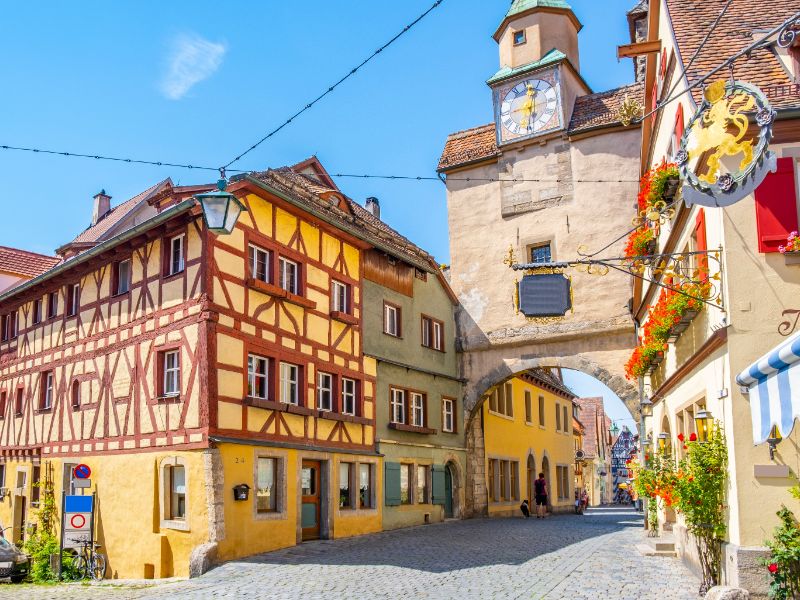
(773,382)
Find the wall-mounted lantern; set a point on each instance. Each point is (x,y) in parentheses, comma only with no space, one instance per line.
(773,440)
(241,492)
(704,421)
(646,406)
(663,443)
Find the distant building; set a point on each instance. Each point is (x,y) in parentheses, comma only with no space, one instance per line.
(597,478)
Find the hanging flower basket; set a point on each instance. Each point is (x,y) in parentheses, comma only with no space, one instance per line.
(792,258)
(671,185)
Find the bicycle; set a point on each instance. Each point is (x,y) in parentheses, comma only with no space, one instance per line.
(88,562)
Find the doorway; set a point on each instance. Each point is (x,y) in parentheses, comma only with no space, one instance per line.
(531,471)
(311,502)
(448,492)
(546,471)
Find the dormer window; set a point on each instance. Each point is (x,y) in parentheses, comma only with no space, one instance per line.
(519,37)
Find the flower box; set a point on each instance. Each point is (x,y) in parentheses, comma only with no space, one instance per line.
(792,258)
(670,189)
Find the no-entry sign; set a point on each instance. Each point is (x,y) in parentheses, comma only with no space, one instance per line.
(82,471)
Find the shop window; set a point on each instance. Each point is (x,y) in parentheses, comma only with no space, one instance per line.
(324,391)
(348,396)
(260,263)
(423,491)
(365,478)
(266,485)
(345,489)
(121,277)
(257,376)
(73,299)
(290,384)
(405,483)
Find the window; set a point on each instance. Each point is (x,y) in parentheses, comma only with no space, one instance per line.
(448,415)
(324,391)
(8,327)
(46,398)
(417,410)
(348,396)
(73,299)
(260,263)
(514,486)
(35,488)
(2,475)
(289,275)
(172,373)
(541,411)
(365,485)
(541,253)
(340,297)
(558,417)
(290,383)
(18,403)
(37,311)
(519,37)
(562,482)
(422,496)
(257,376)
(565,419)
(345,474)
(177,492)
(528,407)
(501,400)
(398,406)
(405,482)
(121,277)
(391,319)
(75,395)
(432,333)
(176,255)
(3,396)
(266,485)
(491,471)
(504,480)
(52,305)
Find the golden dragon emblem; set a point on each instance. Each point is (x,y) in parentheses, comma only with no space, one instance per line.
(715,134)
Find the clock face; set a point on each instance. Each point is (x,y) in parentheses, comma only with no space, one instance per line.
(528,107)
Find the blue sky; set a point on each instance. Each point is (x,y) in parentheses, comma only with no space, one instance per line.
(198,82)
(586,386)
(112,78)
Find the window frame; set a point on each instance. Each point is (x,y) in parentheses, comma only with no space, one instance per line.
(393,391)
(371,504)
(36,317)
(431,333)
(19,401)
(415,407)
(279,469)
(528,407)
(453,419)
(72,302)
(267,375)
(539,245)
(8,326)
(343,294)
(167,519)
(329,389)
(167,371)
(253,251)
(169,254)
(344,395)
(422,493)
(298,383)
(542,408)
(116,279)
(3,406)
(46,390)
(350,490)
(517,42)
(52,305)
(75,394)
(297,289)
(408,468)
(398,312)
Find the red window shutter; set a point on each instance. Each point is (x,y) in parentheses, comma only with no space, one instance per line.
(654,102)
(702,243)
(679,125)
(776,207)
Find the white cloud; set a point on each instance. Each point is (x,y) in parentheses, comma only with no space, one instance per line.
(191,60)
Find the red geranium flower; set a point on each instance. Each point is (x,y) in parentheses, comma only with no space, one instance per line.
(773,568)
(693,437)
(685,447)
(680,437)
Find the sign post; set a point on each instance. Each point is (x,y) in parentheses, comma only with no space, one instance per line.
(78,521)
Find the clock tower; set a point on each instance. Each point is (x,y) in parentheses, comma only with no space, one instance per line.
(538,42)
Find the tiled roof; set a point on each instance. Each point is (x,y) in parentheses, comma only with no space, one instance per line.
(519,6)
(600,110)
(469,145)
(27,264)
(546,377)
(737,29)
(309,191)
(553,56)
(94,234)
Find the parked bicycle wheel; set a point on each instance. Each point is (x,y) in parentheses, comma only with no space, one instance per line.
(98,570)
(80,568)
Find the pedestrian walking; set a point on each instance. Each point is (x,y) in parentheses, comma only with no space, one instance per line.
(540,487)
(525,508)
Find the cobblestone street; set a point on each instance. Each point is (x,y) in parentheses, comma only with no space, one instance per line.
(575,557)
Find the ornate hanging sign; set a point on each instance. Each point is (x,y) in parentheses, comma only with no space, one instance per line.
(545,295)
(721,159)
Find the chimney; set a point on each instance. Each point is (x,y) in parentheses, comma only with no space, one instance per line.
(102,206)
(374,207)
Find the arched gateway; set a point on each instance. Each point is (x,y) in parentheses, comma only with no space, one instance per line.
(555,171)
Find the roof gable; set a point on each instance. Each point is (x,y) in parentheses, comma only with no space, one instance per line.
(24,263)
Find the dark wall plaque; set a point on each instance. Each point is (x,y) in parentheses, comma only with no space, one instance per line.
(544,295)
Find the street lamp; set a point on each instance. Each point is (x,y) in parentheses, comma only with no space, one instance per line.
(704,422)
(646,407)
(614,430)
(663,442)
(221,209)
(773,440)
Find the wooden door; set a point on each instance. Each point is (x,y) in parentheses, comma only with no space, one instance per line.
(448,493)
(310,503)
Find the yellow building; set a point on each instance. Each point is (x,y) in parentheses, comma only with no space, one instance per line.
(527,430)
(215,384)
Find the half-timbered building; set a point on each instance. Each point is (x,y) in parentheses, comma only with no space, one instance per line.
(215,384)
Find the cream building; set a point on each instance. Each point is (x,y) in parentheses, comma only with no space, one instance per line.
(757,287)
(554,171)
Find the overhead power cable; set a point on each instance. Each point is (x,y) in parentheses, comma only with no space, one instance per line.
(481,179)
(352,72)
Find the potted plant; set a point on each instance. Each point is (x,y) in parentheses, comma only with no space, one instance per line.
(791,250)
(641,242)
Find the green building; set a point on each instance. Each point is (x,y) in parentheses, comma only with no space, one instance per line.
(409,328)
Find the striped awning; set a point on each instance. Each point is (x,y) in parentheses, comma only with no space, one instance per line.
(773,382)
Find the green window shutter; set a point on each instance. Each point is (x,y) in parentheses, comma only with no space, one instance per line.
(437,476)
(391,484)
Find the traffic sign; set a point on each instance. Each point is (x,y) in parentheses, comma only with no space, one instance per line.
(82,471)
(77,524)
(82,484)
